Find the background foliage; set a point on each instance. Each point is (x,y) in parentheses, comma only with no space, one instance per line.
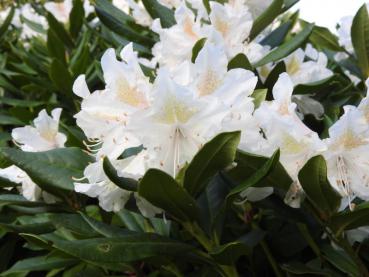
(206,230)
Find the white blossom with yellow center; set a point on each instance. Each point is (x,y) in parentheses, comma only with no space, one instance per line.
(347,155)
(285,131)
(43,136)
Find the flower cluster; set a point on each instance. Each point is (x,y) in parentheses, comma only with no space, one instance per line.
(192,99)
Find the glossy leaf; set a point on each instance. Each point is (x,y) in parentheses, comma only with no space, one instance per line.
(314,181)
(52,170)
(122,249)
(122,182)
(266,18)
(286,48)
(212,157)
(161,190)
(240,61)
(156,10)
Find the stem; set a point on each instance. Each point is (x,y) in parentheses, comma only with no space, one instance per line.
(271,259)
(306,234)
(209,245)
(347,247)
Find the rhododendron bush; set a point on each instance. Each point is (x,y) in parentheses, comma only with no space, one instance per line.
(182,138)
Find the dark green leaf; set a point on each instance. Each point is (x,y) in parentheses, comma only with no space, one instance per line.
(340,260)
(240,61)
(360,39)
(348,220)
(156,10)
(249,164)
(123,249)
(52,170)
(314,181)
(322,38)
(76,17)
(74,223)
(266,18)
(42,263)
(6,23)
(212,157)
(122,182)
(161,190)
(59,30)
(276,37)
(61,77)
(257,176)
(286,48)
(197,48)
(230,252)
(55,46)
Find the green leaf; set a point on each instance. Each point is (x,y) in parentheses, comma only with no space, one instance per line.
(259,96)
(76,17)
(34,25)
(15,199)
(360,39)
(51,170)
(122,249)
(314,181)
(248,166)
(109,231)
(266,18)
(74,223)
(117,21)
(61,77)
(348,220)
(286,48)
(42,263)
(316,87)
(35,228)
(55,46)
(214,156)
(6,23)
(156,10)
(322,38)
(161,190)
(197,48)
(59,30)
(276,37)
(21,103)
(6,183)
(340,260)
(240,61)
(122,182)
(230,252)
(257,176)
(10,120)
(302,269)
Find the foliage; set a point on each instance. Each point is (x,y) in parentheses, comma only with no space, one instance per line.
(206,227)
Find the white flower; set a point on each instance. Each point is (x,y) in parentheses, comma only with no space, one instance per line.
(105,114)
(177,124)
(284,130)
(303,71)
(43,135)
(111,197)
(61,10)
(347,155)
(257,7)
(181,37)
(30,14)
(136,9)
(209,78)
(29,189)
(344,33)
